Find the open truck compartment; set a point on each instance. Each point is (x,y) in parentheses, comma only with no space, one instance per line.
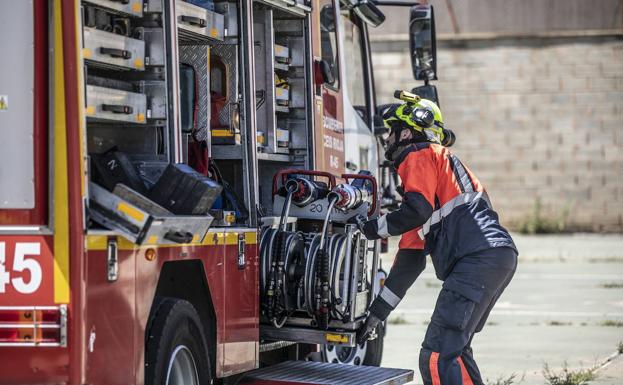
(147,96)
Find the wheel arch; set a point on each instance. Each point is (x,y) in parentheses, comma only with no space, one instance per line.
(187,280)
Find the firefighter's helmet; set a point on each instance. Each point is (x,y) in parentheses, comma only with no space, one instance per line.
(420,116)
(423,116)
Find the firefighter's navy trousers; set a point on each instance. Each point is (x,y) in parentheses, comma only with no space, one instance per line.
(464,303)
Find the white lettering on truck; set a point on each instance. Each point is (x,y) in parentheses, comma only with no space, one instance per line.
(21,263)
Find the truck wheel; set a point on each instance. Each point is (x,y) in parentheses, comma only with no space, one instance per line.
(176,350)
(369,353)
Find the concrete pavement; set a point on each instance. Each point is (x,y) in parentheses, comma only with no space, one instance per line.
(611,373)
(565,304)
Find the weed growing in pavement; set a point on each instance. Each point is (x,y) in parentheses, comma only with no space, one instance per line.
(558,323)
(398,320)
(538,223)
(509,380)
(568,376)
(612,323)
(620,347)
(612,285)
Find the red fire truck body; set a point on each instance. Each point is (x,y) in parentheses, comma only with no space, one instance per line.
(77,301)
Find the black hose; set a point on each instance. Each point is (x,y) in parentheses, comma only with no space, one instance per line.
(276,267)
(323,298)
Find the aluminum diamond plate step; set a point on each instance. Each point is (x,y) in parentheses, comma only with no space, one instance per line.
(320,373)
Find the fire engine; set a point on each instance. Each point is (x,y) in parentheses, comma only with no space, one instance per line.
(178,182)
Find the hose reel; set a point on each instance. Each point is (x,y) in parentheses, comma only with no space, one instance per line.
(310,274)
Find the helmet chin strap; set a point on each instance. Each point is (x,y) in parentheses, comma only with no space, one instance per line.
(395,149)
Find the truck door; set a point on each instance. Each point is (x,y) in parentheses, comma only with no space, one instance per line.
(23,117)
(361,151)
(328,104)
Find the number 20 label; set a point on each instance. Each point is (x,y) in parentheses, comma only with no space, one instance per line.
(24,259)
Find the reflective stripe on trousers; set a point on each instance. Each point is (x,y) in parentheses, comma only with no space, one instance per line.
(433,370)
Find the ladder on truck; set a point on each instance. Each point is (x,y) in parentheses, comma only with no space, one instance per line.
(320,373)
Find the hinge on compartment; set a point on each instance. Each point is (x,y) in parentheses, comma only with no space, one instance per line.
(112,261)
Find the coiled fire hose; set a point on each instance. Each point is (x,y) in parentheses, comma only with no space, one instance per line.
(276,274)
(323,295)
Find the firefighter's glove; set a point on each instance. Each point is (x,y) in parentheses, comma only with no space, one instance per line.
(368,330)
(368,228)
(359,220)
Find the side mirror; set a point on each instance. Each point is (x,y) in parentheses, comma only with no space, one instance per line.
(422,42)
(427,91)
(369,13)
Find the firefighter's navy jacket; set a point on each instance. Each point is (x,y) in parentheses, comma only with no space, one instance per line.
(445,209)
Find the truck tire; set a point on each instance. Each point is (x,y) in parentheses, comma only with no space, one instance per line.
(176,352)
(369,353)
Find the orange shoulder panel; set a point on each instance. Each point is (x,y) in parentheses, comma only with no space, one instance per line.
(418,173)
(447,187)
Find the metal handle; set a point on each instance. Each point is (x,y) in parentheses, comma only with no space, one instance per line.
(117,108)
(193,20)
(242,261)
(178,236)
(292,171)
(121,1)
(112,260)
(118,53)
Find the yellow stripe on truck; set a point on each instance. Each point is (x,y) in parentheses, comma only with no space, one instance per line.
(212,238)
(61,194)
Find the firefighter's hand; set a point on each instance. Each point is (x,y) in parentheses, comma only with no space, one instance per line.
(366,227)
(368,329)
(370,229)
(360,221)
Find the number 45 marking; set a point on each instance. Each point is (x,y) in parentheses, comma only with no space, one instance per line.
(21,263)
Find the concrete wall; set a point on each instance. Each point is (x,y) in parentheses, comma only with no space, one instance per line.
(537,119)
(511,16)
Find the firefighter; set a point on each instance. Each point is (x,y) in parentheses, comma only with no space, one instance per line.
(446,213)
